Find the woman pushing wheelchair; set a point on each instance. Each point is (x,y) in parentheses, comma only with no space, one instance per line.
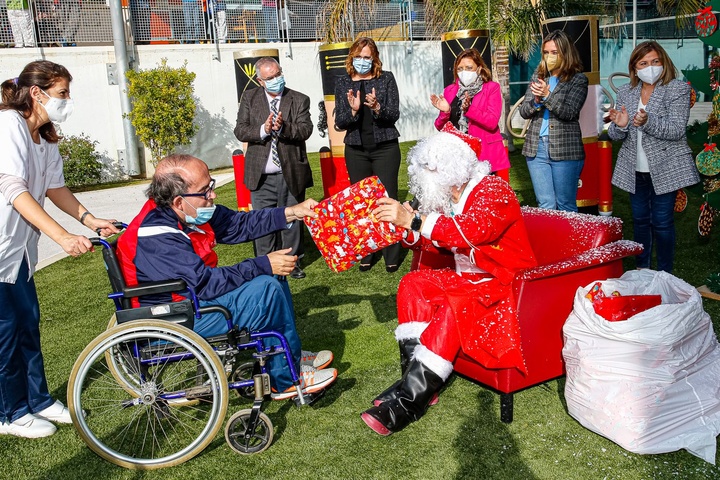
(30,171)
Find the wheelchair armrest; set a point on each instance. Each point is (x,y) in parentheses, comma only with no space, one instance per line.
(153,288)
(595,256)
(216,308)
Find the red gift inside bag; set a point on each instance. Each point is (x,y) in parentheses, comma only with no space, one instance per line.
(623,307)
(345,230)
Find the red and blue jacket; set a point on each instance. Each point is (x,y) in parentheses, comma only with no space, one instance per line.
(157,246)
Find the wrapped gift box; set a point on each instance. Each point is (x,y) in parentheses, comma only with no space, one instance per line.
(346,231)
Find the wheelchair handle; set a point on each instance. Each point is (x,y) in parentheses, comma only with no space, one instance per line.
(99,242)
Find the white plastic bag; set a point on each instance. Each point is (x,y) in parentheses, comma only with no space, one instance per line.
(650,383)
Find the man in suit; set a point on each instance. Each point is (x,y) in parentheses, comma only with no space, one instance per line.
(275,122)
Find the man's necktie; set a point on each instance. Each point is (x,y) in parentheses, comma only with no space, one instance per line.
(274,133)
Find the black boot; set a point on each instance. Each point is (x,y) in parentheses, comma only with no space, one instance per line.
(417,387)
(407,347)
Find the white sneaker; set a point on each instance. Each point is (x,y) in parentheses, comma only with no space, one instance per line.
(311,381)
(57,412)
(28,426)
(317,360)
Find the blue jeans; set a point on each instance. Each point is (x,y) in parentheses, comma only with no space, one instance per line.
(653,221)
(555,181)
(270,20)
(262,304)
(23,387)
(192,13)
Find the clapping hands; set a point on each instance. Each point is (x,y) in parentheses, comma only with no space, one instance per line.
(621,118)
(440,103)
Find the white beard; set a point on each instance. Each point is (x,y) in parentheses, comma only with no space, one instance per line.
(432,193)
(438,163)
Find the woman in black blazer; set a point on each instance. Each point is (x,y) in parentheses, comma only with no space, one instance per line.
(368,105)
(553,144)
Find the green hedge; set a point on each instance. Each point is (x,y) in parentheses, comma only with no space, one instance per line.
(81,163)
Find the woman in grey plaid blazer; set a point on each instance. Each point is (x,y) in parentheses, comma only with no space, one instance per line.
(553,143)
(650,117)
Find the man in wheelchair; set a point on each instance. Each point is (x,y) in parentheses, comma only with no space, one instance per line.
(173,238)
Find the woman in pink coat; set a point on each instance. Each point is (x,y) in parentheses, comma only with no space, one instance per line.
(473,105)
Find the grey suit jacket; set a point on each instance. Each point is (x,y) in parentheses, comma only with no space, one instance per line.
(564,104)
(663,138)
(297,127)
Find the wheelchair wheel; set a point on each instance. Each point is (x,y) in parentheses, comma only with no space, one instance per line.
(259,439)
(241,373)
(173,413)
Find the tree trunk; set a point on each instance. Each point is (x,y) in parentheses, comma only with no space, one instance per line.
(502,76)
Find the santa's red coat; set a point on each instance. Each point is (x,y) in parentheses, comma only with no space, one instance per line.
(476,308)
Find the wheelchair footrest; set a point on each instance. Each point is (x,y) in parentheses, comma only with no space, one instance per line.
(310,398)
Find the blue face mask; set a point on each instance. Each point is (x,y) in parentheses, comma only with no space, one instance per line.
(202,215)
(361,65)
(275,85)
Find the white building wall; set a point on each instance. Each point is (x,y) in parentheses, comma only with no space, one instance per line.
(97,104)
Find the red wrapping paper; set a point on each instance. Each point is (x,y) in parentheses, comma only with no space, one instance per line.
(345,230)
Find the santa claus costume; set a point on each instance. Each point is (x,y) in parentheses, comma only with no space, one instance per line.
(471,307)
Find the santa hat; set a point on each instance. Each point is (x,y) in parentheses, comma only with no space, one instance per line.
(473,142)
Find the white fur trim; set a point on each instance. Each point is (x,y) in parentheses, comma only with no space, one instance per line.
(411,238)
(409,330)
(429,224)
(440,367)
(459,207)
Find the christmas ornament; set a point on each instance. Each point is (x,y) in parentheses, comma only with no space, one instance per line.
(705,22)
(708,161)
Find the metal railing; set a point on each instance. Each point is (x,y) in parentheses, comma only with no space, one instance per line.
(50,23)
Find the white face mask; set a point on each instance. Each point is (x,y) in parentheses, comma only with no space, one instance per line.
(467,78)
(650,74)
(58,109)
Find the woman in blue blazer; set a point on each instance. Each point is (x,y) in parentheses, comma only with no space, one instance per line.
(553,144)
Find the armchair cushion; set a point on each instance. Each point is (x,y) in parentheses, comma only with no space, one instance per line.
(556,235)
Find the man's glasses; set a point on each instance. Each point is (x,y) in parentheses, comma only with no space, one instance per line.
(279,73)
(205,194)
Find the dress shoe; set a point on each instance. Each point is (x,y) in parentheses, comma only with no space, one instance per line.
(392,268)
(297,273)
(365,267)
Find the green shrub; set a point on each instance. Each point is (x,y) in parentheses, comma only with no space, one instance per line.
(163,107)
(81,163)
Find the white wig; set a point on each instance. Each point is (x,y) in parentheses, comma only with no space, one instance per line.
(438,163)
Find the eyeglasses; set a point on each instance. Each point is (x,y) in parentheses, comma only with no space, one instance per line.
(205,194)
(278,74)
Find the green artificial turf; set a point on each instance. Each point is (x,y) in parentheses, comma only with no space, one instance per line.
(354,314)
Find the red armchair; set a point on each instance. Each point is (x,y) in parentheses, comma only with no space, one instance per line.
(572,250)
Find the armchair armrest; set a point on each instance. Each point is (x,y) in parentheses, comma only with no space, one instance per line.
(595,256)
(154,288)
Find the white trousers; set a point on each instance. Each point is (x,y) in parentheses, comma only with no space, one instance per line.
(21,23)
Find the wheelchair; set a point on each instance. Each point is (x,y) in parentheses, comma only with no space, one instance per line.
(150,393)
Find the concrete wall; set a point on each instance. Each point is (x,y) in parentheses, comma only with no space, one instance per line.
(97,104)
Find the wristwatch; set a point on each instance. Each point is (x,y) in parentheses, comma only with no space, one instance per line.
(416,223)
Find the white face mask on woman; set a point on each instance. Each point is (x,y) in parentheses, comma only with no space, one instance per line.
(467,78)
(58,109)
(650,74)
